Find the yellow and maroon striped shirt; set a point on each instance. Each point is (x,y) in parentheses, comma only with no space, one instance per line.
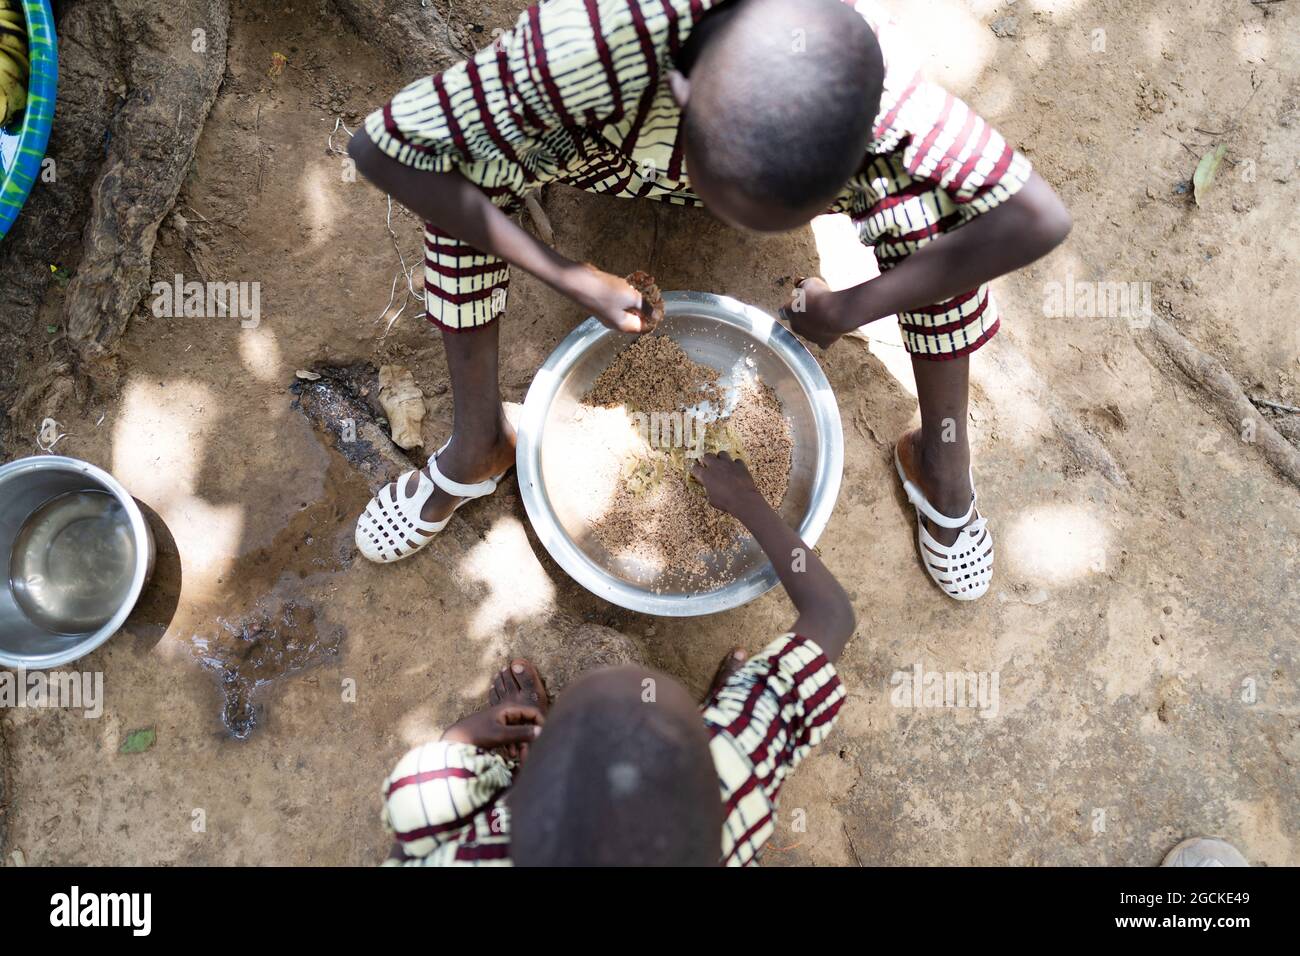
(575,92)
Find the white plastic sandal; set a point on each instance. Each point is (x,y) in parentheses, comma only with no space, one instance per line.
(391,529)
(964,568)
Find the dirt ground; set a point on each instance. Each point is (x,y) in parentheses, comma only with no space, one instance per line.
(1144,632)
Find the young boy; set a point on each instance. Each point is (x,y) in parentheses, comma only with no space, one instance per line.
(627,770)
(769,112)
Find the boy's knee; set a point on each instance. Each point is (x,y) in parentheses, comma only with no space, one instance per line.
(364,153)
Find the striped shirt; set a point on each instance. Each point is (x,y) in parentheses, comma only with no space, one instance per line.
(443,802)
(576,93)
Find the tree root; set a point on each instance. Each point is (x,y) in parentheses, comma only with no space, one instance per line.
(171,86)
(1226,396)
(1087,449)
(136,81)
(411,34)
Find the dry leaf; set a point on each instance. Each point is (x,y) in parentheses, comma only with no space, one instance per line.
(1205,170)
(403,404)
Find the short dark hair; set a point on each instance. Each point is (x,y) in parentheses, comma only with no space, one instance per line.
(616,780)
(783,97)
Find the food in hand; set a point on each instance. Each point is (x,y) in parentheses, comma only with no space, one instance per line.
(652,300)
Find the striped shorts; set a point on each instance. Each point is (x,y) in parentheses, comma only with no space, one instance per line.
(896,214)
(903,199)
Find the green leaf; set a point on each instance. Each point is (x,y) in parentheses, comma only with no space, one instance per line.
(138,741)
(1205,170)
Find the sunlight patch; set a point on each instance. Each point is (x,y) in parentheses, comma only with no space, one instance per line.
(260,350)
(158,451)
(518,587)
(1055,544)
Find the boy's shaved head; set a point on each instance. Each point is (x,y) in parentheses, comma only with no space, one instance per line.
(621,776)
(781,98)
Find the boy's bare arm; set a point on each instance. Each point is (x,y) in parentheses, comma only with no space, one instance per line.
(1026,227)
(456,205)
(825,613)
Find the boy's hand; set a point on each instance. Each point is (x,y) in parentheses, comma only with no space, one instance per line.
(612,300)
(497,726)
(825,614)
(811,313)
(728,484)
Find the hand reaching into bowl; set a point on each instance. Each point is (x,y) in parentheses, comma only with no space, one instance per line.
(728,484)
(825,614)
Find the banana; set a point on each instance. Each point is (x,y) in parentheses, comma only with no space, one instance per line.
(12,101)
(10,73)
(15,65)
(16,49)
(10,67)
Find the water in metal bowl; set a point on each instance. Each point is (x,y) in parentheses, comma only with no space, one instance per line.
(72,560)
(78,553)
(728,336)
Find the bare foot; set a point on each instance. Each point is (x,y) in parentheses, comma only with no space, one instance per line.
(519,683)
(733,662)
(945,485)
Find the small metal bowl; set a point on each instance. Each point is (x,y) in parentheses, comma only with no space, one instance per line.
(719,332)
(26,485)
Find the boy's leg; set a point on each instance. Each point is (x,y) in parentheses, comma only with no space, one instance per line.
(941,448)
(464,293)
(482,441)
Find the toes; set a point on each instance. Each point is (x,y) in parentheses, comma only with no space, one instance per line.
(500,689)
(525,682)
